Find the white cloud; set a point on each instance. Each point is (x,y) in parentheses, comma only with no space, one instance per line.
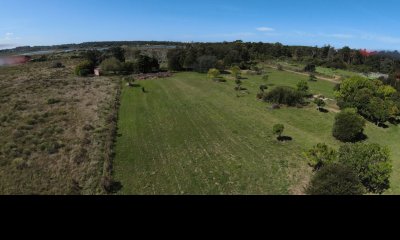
(265,29)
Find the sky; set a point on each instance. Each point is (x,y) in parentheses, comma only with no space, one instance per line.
(369,24)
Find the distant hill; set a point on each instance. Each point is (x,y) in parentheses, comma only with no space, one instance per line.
(87,45)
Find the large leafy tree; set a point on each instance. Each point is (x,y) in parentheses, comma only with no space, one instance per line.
(335,179)
(348,126)
(371,163)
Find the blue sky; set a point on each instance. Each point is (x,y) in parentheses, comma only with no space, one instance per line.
(359,24)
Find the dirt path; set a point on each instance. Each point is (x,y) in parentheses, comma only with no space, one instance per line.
(305,74)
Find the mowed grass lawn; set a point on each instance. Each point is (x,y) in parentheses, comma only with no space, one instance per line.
(190,135)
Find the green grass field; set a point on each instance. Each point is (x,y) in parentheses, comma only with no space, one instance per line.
(190,135)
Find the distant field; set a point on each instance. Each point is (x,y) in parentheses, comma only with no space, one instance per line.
(329,72)
(189,135)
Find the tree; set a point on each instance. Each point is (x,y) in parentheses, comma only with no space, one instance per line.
(312,78)
(84,68)
(204,63)
(348,126)
(309,68)
(220,65)
(320,103)
(118,53)
(320,155)
(265,78)
(111,65)
(95,56)
(302,86)
(278,130)
(236,72)
(335,179)
(371,163)
(147,64)
(214,73)
(378,110)
(175,59)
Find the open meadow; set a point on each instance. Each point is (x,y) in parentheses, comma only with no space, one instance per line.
(190,135)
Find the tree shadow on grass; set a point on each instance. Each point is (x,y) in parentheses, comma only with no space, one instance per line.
(285,139)
(394,121)
(323,110)
(383,125)
(360,138)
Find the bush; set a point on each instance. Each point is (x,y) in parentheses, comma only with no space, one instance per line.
(51,101)
(57,65)
(348,126)
(303,87)
(260,95)
(320,155)
(214,74)
(263,87)
(335,179)
(284,95)
(111,65)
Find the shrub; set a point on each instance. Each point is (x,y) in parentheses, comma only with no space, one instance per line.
(320,155)
(320,103)
(302,86)
(263,88)
(348,126)
(284,95)
(260,95)
(312,78)
(111,65)
(51,101)
(335,179)
(213,73)
(57,65)
(19,163)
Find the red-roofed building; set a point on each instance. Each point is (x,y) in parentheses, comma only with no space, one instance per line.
(366,53)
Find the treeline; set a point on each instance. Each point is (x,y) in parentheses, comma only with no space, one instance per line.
(89,45)
(240,53)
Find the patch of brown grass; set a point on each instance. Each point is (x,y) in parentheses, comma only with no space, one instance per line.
(44,145)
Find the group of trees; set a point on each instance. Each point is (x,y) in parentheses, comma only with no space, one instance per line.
(113,61)
(353,170)
(373,99)
(227,54)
